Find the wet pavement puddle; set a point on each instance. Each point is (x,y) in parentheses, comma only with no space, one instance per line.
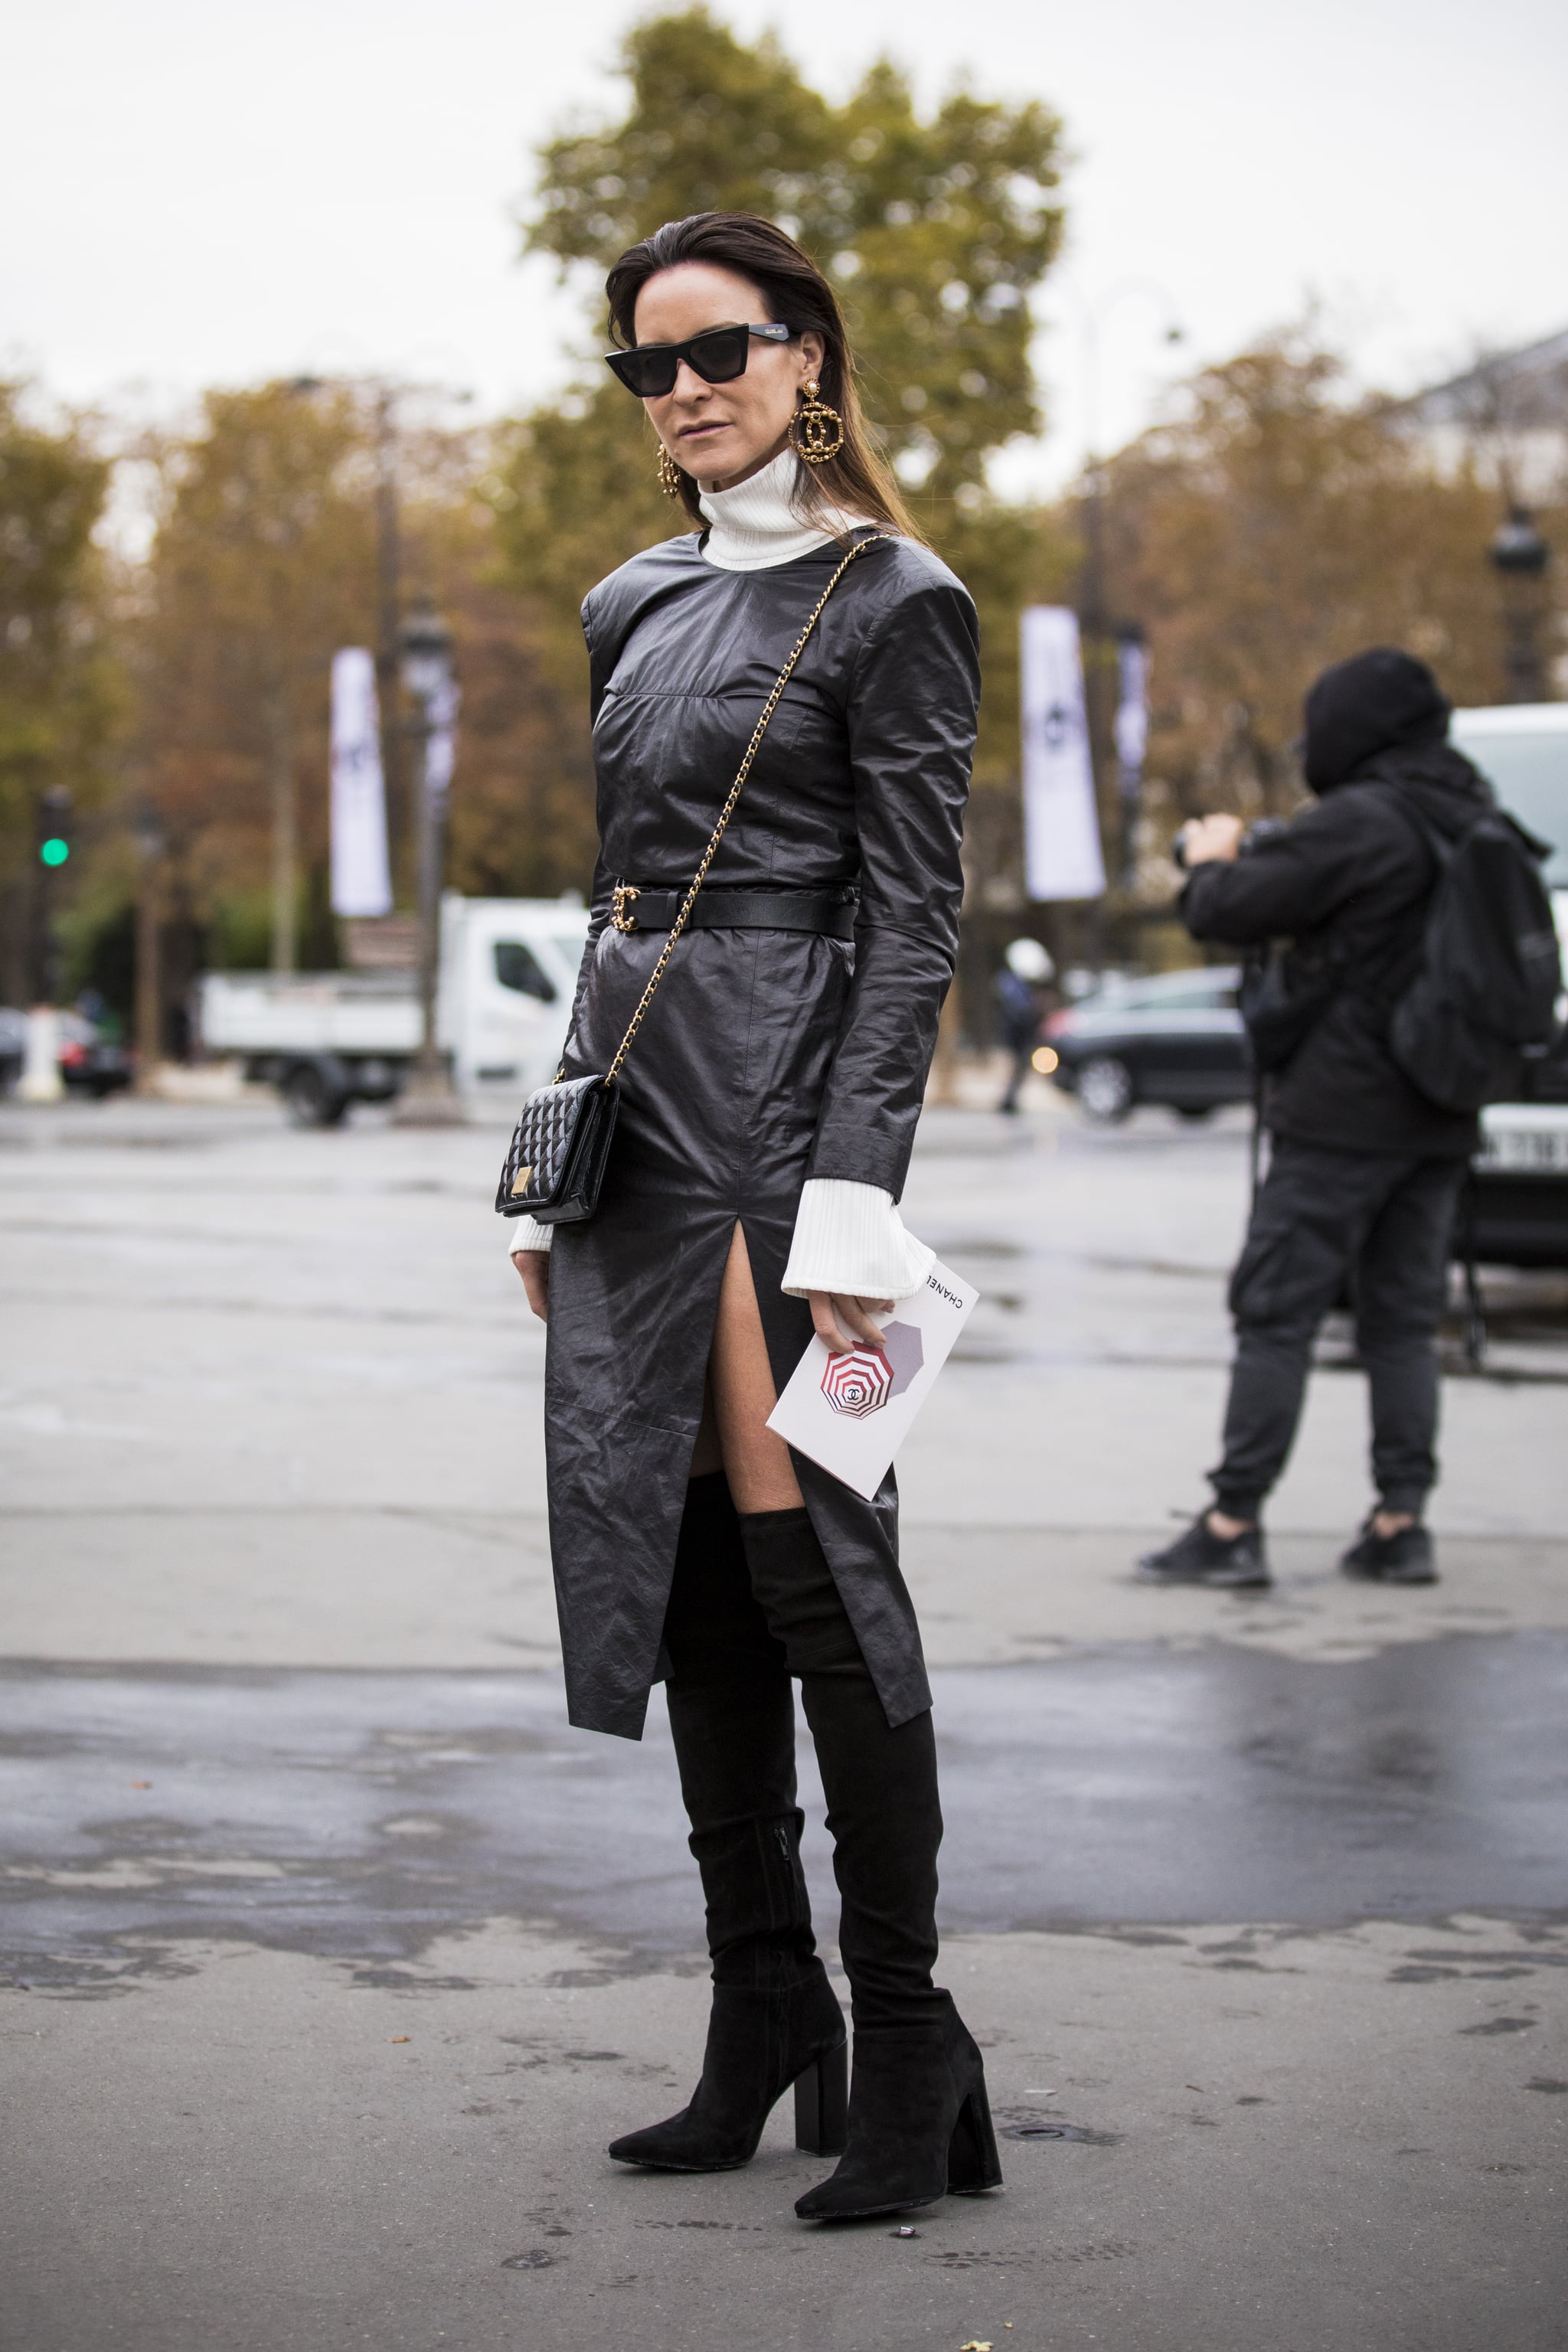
(362,1813)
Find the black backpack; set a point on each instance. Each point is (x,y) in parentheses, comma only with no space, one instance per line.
(1485,997)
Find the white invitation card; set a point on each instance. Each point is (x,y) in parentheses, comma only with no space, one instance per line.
(850,1413)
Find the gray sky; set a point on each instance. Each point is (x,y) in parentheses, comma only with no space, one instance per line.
(215,190)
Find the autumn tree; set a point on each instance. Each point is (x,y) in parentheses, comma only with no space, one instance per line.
(521,821)
(1278,522)
(261,566)
(58,681)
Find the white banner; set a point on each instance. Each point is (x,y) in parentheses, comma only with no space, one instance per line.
(1062,853)
(362,882)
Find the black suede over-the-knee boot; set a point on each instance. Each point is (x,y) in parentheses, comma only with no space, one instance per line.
(775,2019)
(919,2125)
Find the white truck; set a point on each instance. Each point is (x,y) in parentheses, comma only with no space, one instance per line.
(328,1039)
(1520,1199)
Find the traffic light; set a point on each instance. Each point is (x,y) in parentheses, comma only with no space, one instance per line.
(53,821)
(52,841)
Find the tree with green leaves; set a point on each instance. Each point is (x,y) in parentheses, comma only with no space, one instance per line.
(935,232)
(934,229)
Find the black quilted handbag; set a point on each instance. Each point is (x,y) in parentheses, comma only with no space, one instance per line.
(556,1162)
(555,1165)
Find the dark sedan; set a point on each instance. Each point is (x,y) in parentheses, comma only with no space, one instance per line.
(1177,1039)
(89,1063)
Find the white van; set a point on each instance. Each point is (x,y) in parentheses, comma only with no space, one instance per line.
(327,1039)
(1521,1203)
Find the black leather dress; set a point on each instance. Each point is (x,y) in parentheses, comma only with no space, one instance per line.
(767,1057)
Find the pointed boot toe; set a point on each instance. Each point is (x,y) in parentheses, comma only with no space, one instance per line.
(759,2043)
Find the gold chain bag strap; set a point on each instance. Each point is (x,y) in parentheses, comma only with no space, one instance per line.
(555,1165)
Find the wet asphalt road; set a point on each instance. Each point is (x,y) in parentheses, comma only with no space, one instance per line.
(333,1957)
(327,1323)
(367,1814)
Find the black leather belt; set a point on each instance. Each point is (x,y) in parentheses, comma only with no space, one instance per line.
(830,912)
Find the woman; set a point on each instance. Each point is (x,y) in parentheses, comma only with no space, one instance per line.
(768,1109)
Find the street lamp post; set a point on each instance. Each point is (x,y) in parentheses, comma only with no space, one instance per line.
(388,604)
(1520,557)
(1111,652)
(429,1099)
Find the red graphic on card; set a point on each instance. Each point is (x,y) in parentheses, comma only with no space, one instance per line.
(857,1383)
(863,1380)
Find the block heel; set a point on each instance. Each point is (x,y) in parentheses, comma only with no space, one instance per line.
(972,2163)
(821,2103)
(919,2123)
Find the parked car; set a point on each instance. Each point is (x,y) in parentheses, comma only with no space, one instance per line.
(1177,1039)
(89,1063)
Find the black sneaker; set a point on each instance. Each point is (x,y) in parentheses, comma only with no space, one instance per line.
(1200,1557)
(1403,1559)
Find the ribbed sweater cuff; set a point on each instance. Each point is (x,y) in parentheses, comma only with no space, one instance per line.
(850,1238)
(522,1233)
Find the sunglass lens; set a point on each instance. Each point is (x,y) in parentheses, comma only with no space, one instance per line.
(720,355)
(650,373)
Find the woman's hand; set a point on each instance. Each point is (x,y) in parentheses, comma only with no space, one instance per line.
(846,1323)
(535,1267)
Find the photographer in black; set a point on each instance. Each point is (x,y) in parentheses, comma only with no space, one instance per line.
(1363,1172)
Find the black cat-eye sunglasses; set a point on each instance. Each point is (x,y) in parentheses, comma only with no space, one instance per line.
(719,355)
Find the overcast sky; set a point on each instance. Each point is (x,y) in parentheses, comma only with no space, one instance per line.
(206,191)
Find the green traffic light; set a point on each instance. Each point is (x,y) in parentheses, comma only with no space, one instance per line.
(54,852)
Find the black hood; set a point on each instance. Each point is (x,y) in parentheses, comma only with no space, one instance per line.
(1373,703)
(1451,791)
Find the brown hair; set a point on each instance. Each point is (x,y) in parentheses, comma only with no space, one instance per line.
(857,481)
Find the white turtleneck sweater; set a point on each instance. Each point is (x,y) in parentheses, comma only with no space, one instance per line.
(849,1238)
(757,524)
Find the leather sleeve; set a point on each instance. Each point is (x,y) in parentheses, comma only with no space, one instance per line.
(598,916)
(604,880)
(910,714)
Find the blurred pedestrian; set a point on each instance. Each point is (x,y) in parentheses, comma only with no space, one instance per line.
(767,1113)
(95,1007)
(1364,1172)
(1020,992)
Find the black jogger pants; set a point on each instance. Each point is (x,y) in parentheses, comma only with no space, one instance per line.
(1324,1220)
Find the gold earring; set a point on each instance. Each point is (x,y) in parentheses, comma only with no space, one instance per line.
(669,474)
(816,431)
